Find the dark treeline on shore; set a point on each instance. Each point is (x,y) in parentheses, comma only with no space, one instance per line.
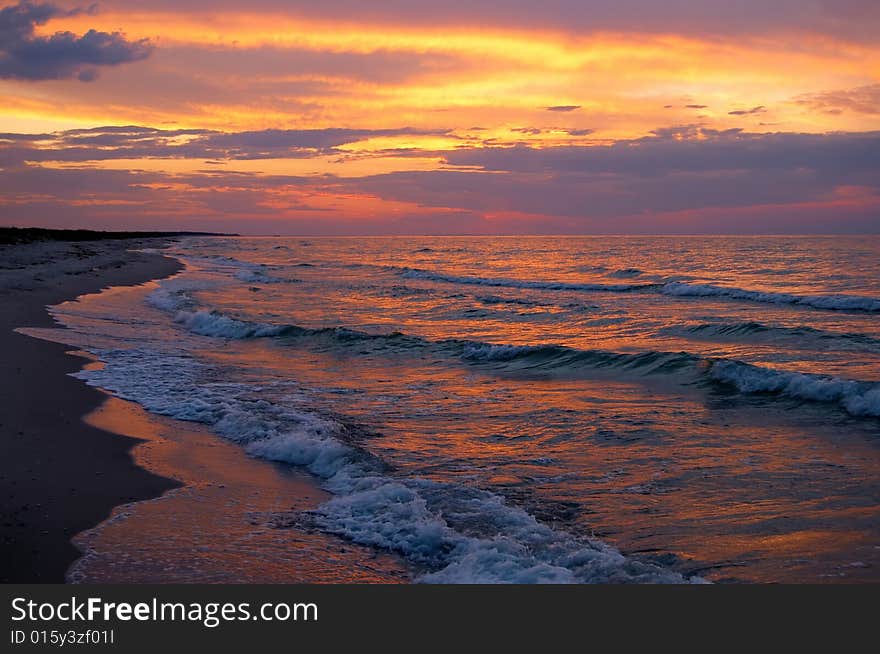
(11,235)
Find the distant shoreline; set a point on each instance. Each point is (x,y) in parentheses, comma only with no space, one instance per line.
(15,235)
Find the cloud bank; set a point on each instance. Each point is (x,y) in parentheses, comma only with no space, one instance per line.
(63,55)
(682,179)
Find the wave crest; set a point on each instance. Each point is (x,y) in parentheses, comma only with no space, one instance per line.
(827,302)
(859,398)
(856,397)
(417,273)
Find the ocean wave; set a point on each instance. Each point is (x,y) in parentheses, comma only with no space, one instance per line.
(731,329)
(802,335)
(562,360)
(547,356)
(401,291)
(669,288)
(261,275)
(625,273)
(857,398)
(452,533)
(495,299)
(245,271)
(212,323)
(828,302)
(176,298)
(178,301)
(217,260)
(417,273)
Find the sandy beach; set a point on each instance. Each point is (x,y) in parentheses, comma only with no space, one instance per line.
(59,475)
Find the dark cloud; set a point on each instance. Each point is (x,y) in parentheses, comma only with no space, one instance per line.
(132,142)
(286,142)
(564,108)
(583,203)
(10,136)
(690,148)
(693,131)
(682,178)
(601,188)
(696,106)
(679,148)
(25,56)
(260,80)
(746,112)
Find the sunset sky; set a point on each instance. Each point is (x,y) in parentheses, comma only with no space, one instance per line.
(462,116)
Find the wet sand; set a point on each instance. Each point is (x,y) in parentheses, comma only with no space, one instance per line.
(58,475)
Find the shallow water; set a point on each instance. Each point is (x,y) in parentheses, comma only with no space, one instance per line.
(535,409)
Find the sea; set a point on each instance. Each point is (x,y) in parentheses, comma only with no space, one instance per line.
(653,409)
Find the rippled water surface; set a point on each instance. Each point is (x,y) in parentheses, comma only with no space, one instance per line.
(536,409)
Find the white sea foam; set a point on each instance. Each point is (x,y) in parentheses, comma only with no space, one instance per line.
(176,298)
(169,299)
(245,271)
(500,352)
(212,323)
(856,397)
(831,302)
(261,275)
(453,533)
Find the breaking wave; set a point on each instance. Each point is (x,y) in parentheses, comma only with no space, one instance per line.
(828,302)
(833,302)
(451,533)
(858,398)
(245,271)
(669,288)
(261,275)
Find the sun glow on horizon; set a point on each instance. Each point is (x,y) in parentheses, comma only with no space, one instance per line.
(381,100)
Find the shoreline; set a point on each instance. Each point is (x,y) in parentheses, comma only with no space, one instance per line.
(233,520)
(60,476)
